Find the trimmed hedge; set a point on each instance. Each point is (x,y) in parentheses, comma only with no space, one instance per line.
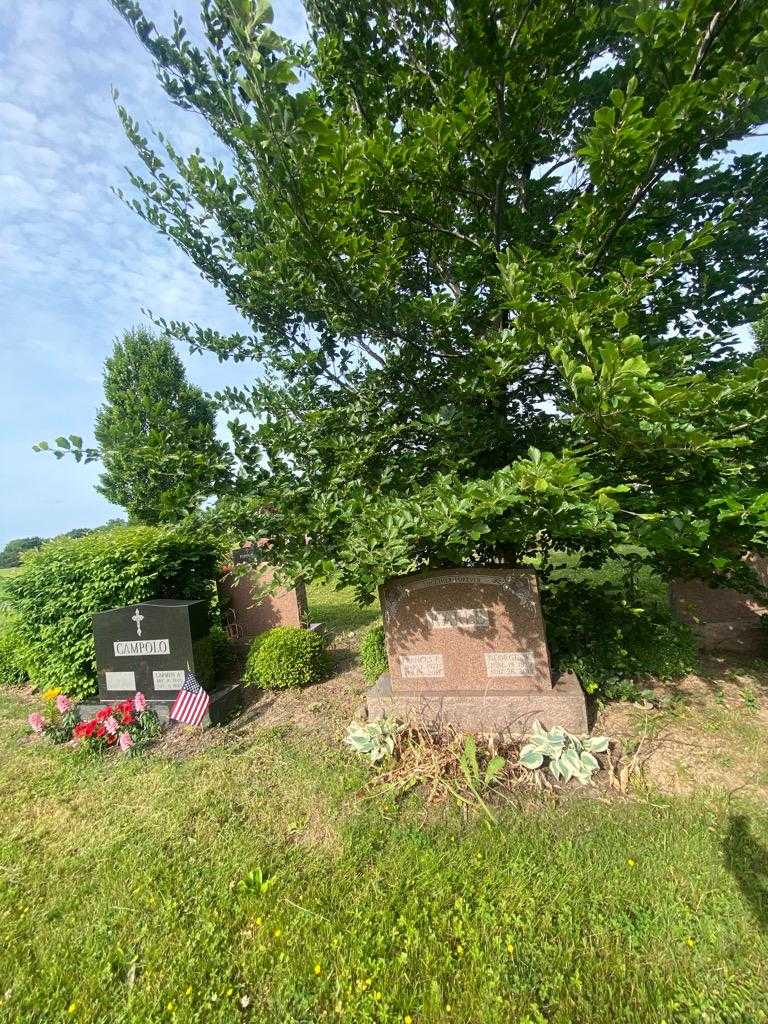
(373,654)
(12,656)
(60,586)
(287,656)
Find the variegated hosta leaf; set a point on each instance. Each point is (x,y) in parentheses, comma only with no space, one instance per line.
(530,757)
(597,744)
(589,762)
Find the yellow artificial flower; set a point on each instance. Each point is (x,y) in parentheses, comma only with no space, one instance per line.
(51,694)
(317,968)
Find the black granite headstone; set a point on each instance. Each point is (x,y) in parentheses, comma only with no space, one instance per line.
(149,646)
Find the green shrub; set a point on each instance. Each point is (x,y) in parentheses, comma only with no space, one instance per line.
(287,656)
(223,651)
(373,653)
(12,653)
(59,588)
(613,639)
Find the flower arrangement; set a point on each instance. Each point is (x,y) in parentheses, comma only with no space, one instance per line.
(63,720)
(124,725)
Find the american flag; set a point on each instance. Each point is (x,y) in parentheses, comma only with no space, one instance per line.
(191,702)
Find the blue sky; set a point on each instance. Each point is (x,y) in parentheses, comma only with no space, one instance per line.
(76,265)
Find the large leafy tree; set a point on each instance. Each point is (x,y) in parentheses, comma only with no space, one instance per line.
(156,434)
(492,252)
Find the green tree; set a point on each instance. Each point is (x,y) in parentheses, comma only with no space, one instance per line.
(760,334)
(10,556)
(156,434)
(492,254)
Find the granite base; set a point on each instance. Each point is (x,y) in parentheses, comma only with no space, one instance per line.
(225,702)
(501,712)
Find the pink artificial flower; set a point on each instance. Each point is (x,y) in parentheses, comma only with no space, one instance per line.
(125,742)
(110,724)
(63,704)
(139,702)
(36,722)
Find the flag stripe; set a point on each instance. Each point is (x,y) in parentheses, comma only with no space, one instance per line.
(191,702)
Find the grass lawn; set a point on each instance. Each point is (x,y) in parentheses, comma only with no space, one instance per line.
(130,888)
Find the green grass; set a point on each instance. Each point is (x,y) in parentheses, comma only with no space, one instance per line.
(120,896)
(337,608)
(129,893)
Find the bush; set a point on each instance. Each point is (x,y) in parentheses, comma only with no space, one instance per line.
(59,588)
(287,656)
(223,651)
(12,658)
(373,653)
(612,638)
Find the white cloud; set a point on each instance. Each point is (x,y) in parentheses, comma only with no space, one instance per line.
(14,117)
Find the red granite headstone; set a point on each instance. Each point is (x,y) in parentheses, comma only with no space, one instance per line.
(247,610)
(467,647)
(723,619)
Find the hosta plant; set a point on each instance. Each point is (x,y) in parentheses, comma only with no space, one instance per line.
(374,740)
(570,757)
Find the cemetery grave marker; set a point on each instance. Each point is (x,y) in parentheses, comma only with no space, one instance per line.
(723,619)
(467,647)
(247,614)
(147,648)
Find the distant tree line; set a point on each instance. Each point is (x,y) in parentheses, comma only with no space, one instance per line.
(10,556)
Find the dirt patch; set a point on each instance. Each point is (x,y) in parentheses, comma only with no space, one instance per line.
(706,731)
(323,710)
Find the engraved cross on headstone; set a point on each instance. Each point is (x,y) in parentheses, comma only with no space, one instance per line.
(138,618)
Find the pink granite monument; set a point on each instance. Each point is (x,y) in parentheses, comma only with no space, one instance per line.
(723,619)
(246,610)
(467,648)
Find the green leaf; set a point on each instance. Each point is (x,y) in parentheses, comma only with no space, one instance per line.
(605,117)
(530,758)
(493,769)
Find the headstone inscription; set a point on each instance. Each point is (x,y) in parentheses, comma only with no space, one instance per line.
(250,612)
(149,646)
(467,647)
